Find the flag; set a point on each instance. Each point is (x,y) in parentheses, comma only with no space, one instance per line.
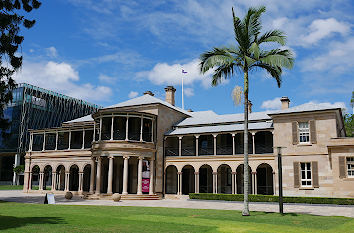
(184,72)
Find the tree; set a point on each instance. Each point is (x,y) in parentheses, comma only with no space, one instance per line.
(247,56)
(11,22)
(352,101)
(349,124)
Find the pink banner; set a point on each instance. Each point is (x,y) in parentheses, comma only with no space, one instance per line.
(145,186)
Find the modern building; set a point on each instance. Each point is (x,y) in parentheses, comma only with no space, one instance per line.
(34,108)
(146,147)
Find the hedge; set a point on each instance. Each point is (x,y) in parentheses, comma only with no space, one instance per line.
(269,198)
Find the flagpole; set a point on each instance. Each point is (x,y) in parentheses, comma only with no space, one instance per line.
(182,94)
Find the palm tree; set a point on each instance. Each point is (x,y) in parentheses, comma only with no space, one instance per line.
(248,56)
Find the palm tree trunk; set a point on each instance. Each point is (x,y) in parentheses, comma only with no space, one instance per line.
(245,211)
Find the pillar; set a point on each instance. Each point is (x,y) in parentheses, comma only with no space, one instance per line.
(196,145)
(98,175)
(92,175)
(94,131)
(127,130)
(69,140)
(255,183)
(110,175)
(81,178)
(215,182)
(41,180)
(141,128)
(54,180)
(56,140)
(125,175)
(252,186)
(30,181)
(180,146)
(179,183)
(151,184)
(233,184)
(196,182)
(112,127)
(233,144)
(140,176)
(15,179)
(67,181)
(253,145)
(215,135)
(31,142)
(83,139)
(100,132)
(43,148)
(274,189)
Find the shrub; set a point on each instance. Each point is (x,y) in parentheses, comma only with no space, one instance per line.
(269,198)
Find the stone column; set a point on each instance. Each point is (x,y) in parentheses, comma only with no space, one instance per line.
(56,140)
(253,145)
(41,174)
(110,175)
(180,146)
(252,177)
(215,184)
(196,145)
(127,130)
(233,144)
(81,178)
(92,175)
(179,183)
(274,189)
(233,186)
(30,181)
(112,128)
(215,135)
(31,142)
(196,182)
(69,140)
(140,176)
(151,184)
(54,181)
(43,149)
(255,183)
(141,128)
(98,175)
(83,139)
(100,131)
(67,181)
(125,175)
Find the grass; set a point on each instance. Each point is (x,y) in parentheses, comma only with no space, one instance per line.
(11,187)
(17,217)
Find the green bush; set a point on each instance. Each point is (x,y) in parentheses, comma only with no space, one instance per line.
(269,198)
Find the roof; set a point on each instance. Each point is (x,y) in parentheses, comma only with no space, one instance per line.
(147,99)
(220,128)
(81,119)
(309,107)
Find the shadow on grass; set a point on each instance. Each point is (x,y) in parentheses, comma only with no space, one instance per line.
(8,222)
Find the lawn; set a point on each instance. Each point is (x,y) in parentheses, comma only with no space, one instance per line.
(16,217)
(11,187)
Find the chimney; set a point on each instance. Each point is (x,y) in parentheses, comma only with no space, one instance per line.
(285,102)
(249,106)
(148,93)
(170,95)
(189,110)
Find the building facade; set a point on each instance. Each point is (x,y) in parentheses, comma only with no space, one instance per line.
(34,108)
(149,147)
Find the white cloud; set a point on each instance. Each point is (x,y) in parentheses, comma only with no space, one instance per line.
(188,91)
(106,79)
(329,105)
(322,28)
(133,94)
(272,104)
(163,73)
(61,77)
(51,52)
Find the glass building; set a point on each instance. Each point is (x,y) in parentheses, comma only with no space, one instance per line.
(34,108)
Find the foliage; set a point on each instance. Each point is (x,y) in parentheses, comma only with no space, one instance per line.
(11,22)
(270,198)
(248,55)
(349,124)
(19,169)
(11,187)
(19,217)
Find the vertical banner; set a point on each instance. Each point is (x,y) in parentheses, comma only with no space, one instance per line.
(146,177)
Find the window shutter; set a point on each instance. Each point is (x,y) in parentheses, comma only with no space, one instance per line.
(342,172)
(295,137)
(296,175)
(315,182)
(313,137)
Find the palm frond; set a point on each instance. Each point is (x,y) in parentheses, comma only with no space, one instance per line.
(273,36)
(278,57)
(274,71)
(253,23)
(216,57)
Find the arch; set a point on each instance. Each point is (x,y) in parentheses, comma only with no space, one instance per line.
(60,176)
(224,179)
(265,179)
(47,177)
(35,170)
(171,180)
(239,179)
(74,178)
(188,181)
(205,179)
(60,165)
(86,178)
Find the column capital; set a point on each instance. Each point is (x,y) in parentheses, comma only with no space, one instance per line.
(110,157)
(196,136)
(233,134)
(215,135)
(215,173)
(98,159)
(81,173)
(179,173)
(126,157)
(233,173)
(254,173)
(253,133)
(196,173)
(180,137)
(141,157)
(273,172)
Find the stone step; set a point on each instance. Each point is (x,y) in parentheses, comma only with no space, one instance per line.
(123,197)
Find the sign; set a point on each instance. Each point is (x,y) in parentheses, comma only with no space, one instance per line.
(145,185)
(49,198)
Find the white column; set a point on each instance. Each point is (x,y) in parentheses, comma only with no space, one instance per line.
(43,149)
(98,175)
(67,181)
(252,177)
(233,144)
(69,139)
(196,145)
(274,189)
(255,183)
(140,176)
(215,185)
(179,183)
(83,139)
(253,145)
(31,142)
(127,129)
(54,181)
(56,140)
(125,176)
(151,184)
(92,175)
(141,128)
(233,175)
(100,131)
(81,178)
(152,130)
(30,181)
(41,181)
(215,135)
(196,182)
(112,127)
(110,175)
(180,146)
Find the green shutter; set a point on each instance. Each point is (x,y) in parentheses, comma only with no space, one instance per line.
(313,135)
(294,132)
(296,175)
(315,181)
(342,171)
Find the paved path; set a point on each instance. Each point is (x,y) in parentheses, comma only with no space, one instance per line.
(324,210)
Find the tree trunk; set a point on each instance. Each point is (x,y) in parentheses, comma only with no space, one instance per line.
(245,211)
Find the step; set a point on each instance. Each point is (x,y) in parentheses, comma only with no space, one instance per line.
(123,197)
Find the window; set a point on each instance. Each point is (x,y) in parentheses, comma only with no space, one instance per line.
(306,176)
(350,166)
(304,132)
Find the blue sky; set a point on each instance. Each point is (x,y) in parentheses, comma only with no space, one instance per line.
(107,51)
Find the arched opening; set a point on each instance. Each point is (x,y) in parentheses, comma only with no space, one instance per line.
(47,178)
(171,146)
(265,179)
(206,145)
(205,179)
(188,181)
(171,180)
(239,143)
(224,144)
(87,177)
(74,178)
(240,180)
(224,179)
(263,141)
(188,146)
(35,177)
(60,183)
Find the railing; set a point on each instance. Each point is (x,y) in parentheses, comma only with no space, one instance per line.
(188,151)
(264,149)
(227,150)
(206,151)
(171,151)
